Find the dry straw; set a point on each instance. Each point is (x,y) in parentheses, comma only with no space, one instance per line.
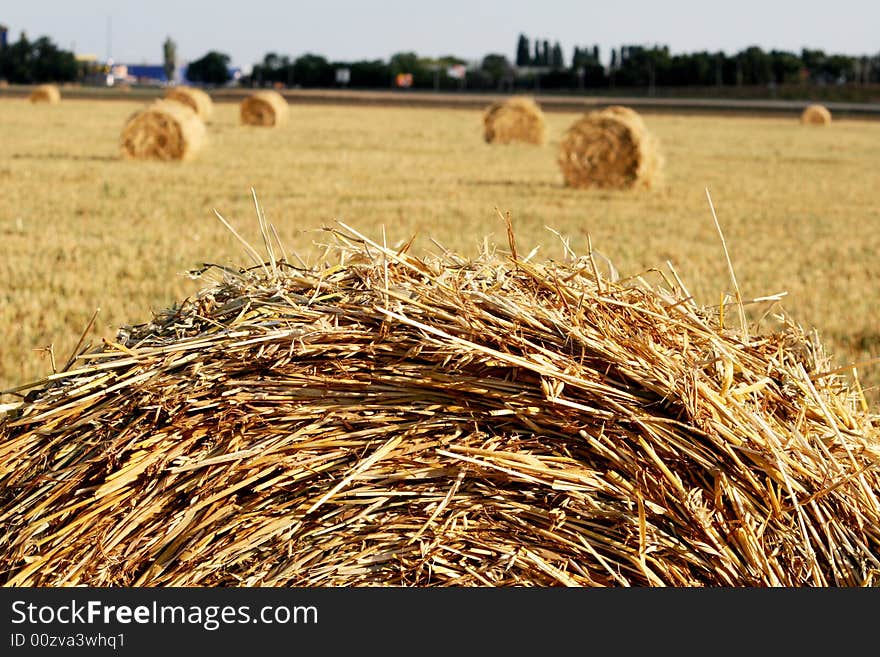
(627,112)
(610,149)
(164,130)
(264,108)
(383,419)
(517,119)
(46,93)
(196,99)
(816,115)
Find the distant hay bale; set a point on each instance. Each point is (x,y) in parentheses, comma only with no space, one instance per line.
(4,83)
(610,149)
(264,108)
(164,130)
(492,422)
(46,93)
(197,99)
(518,119)
(816,115)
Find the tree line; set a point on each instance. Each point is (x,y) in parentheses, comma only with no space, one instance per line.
(27,62)
(538,65)
(543,65)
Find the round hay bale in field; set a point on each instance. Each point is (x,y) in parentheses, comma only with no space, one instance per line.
(266,108)
(297,426)
(816,115)
(4,84)
(610,149)
(196,99)
(518,119)
(628,112)
(46,93)
(164,130)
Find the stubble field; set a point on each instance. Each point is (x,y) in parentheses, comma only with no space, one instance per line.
(81,229)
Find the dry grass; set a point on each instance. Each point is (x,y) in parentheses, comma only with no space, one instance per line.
(518,119)
(264,108)
(382,419)
(816,115)
(610,149)
(45,93)
(163,130)
(82,230)
(198,100)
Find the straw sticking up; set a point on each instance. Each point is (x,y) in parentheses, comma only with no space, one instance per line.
(383,419)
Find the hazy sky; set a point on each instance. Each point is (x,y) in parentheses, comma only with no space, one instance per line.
(347,30)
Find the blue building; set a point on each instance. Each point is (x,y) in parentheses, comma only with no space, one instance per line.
(154,74)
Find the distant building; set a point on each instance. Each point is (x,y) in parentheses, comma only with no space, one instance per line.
(146,74)
(4,36)
(154,74)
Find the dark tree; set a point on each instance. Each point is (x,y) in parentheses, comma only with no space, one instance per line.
(786,67)
(557,60)
(404,62)
(497,68)
(41,61)
(522,51)
(368,74)
(213,68)
(313,71)
(169,57)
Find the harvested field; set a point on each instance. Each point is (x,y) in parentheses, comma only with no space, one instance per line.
(381,419)
(82,230)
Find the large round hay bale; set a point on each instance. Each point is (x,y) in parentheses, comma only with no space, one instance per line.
(4,84)
(610,149)
(264,108)
(164,130)
(518,119)
(46,93)
(196,99)
(290,427)
(816,115)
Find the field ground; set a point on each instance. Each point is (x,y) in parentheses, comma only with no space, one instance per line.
(81,229)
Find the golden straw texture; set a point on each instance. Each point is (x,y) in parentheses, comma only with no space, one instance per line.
(196,99)
(382,419)
(164,130)
(46,93)
(816,115)
(517,119)
(264,108)
(610,148)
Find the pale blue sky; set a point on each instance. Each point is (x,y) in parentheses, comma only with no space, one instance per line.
(347,30)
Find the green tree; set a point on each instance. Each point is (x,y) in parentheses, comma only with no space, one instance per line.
(313,71)
(523,57)
(212,68)
(404,62)
(498,68)
(557,60)
(24,62)
(169,57)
